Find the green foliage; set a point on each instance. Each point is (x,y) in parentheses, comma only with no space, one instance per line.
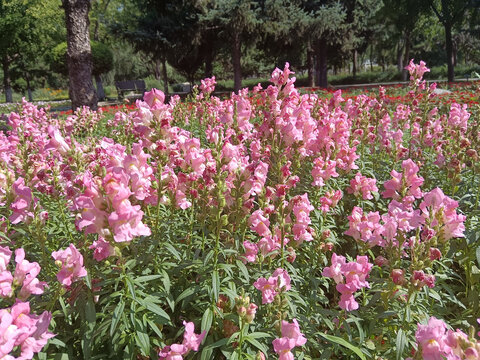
(101,54)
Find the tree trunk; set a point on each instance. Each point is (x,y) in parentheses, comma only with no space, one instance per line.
(354,60)
(449,46)
(311,67)
(165,76)
(79,54)
(236,58)
(156,69)
(406,58)
(100,90)
(29,88)
(209,59)
(6,79)
(400,57)
(322,80)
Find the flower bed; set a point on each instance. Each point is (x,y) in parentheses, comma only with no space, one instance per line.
(267,225)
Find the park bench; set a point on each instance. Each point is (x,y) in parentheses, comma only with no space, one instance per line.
(137,87)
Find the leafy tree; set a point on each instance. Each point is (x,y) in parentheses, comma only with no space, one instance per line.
(79,55)
(449,13)
(14,34)
(324,26)
(404,15)
(236,20)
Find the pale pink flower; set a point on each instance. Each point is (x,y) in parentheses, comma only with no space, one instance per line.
(268,288)
(251,251)
(259,223)
(431,339)
(71,262)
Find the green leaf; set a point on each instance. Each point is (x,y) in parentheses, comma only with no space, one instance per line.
(343,342)
(90,318)
(257,344)
(146,278)
(147,303)
(186,293)
(477,252)
(173,251)
(117,315)
(141,338)
(243,269)
(166,281)
(154,327)
(207,320)
(215,284)
(400,343)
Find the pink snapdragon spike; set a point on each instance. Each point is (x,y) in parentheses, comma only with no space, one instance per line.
(57,142)
(301,209)
(191,341)
(441,212)
(71,262)
(251,251)
(259,223)
(407,182)
(23,332)
(268,289)
(208,85)
(431,339)
(26,274)
(22,206)
(362,186)
(349,278)
(279,281)
(291,337)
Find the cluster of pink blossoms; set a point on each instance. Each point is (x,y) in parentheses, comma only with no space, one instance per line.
(22,332)
(105,206)
(416,73)
(291,337)
(349,277)
(71,266)
(363,186)
(23,278)
(436,214)
(191,341)
(279,281)
(435,342)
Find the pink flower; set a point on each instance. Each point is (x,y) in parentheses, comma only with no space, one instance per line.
(251,251)
(22,205)
(26,274)
(335,270)
(154,98)
(283,279)
(291,337)
(101,249)
(71,262)
(431,339)
(292,331)
(282,347)
(361,185)
(268,288)
(208,85)
(57,142)
(259,223)
(349,277)
(191,340)
(173,352)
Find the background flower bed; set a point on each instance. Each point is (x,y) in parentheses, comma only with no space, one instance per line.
(267,224)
